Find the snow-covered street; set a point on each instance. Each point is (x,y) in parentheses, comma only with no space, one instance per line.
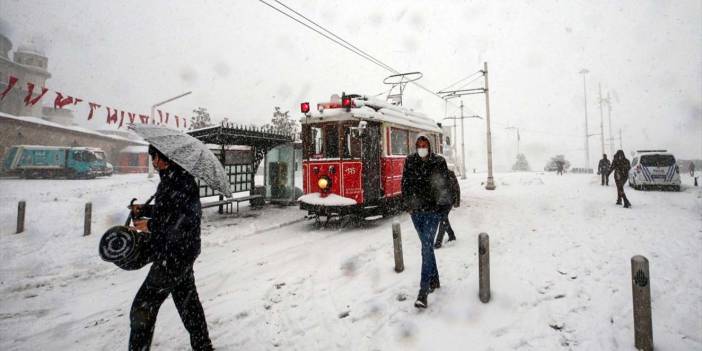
(560,265)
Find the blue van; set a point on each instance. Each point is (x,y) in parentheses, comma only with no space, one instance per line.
(39,161)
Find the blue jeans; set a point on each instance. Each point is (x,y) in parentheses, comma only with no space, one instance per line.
(426,224)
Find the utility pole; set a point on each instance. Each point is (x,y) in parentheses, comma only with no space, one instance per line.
(490,185)
(490,181)
(620,139)
(601,119)
(609,114)
(517,129)
(153,108)
(463,146)
(584,72)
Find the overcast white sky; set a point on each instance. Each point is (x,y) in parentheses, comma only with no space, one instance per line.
(241,58)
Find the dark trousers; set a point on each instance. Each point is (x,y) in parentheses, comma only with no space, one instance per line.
(163,280)
(605,178)
(444,227)
(425,223)
(620,192)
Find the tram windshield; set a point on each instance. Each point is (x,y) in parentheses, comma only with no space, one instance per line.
(332,140)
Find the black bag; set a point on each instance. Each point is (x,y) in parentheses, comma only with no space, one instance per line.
(127,249)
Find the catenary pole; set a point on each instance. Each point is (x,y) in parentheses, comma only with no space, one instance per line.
(601,119)
(584,72)
(490,181)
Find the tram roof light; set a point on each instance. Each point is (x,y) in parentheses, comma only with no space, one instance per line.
(346,102)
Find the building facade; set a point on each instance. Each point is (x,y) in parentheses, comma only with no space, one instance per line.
(36,131)
(28,65)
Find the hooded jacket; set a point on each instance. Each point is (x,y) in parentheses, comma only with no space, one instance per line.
(175,217)
(425,183)
(620,167)
(603,166)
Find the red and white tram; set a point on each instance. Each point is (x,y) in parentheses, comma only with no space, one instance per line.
(354,149)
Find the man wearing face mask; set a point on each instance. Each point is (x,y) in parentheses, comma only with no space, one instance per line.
(426,195)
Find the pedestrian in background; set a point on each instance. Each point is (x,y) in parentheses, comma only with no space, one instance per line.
(692,169)
(426,195)
(445,225)
(603,170)
(620,167)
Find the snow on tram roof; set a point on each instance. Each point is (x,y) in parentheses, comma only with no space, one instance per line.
(371,109)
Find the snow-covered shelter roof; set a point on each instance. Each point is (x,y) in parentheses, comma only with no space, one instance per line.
(371,109)
(39,121)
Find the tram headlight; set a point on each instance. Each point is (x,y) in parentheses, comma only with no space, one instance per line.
(324,183)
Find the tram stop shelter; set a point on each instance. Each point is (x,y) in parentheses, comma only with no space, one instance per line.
(283,173)
(241,150)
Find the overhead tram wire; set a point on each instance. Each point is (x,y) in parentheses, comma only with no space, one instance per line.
(386,66)
(347,46)
(460,80)
(328,37)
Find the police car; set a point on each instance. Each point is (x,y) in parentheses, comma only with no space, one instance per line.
(654,168)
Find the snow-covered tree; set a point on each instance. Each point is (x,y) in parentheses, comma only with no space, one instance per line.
(552,164)
(282,122)
(200,119)
(522,164)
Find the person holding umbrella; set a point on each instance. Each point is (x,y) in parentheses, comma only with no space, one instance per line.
(174,227)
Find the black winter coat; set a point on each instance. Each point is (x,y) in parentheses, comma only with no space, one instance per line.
(426,185)
(455,189)
(621,168)
(175,217)
(603,166)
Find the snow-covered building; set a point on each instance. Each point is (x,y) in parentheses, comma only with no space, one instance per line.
(29,65)
(24,130)
(133,159)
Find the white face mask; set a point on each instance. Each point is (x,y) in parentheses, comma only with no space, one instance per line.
(423,152)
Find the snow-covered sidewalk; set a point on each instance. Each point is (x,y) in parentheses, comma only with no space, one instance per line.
(560,252)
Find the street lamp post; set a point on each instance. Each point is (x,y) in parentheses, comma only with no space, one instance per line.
(153,109)
(515,128)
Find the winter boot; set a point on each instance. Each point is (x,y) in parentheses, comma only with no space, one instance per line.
(421,300)
(434,284)
(627,204)
(619,201)
(451,238)
(437,245)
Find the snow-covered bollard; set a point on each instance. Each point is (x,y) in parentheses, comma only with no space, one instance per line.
(641,291)
(484,267)
(397,243)
(21,206)
(88,218)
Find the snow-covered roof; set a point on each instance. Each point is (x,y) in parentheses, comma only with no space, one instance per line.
(371,109)
(39,121)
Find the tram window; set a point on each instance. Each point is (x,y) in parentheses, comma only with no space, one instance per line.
(398,142)
(413,141)
(352,144)
(331,142)
(317,140)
